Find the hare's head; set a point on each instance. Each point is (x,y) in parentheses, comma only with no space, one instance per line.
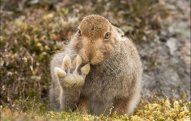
(94,39)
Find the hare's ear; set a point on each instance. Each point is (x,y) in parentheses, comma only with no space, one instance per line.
(119,31)
(85,69)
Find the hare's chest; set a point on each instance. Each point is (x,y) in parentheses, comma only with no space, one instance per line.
(102,83)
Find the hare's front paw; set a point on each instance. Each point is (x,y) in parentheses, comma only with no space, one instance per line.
(71,74)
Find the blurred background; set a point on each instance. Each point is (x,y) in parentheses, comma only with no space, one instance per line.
(31,31)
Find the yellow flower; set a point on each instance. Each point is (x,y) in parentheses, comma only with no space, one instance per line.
(136,118)
(167,103)
(176,105)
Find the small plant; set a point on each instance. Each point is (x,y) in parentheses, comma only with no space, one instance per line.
(156,110)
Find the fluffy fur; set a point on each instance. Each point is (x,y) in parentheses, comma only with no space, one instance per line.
(114,82)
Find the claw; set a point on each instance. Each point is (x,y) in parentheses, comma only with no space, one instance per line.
(85,69)
(59,72)
(78,61)
(74,79)
(66,64)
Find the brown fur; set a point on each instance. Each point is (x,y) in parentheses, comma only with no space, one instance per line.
(91,44)
(83,105)
(94,27)
(114,82)
(120,106)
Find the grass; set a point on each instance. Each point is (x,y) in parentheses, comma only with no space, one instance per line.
(158,110)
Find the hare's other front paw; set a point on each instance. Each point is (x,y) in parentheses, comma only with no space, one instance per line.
(71,74)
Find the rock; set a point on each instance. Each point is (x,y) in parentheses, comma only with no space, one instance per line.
(167,60)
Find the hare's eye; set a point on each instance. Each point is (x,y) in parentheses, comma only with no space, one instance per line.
(79,32)
(107,35)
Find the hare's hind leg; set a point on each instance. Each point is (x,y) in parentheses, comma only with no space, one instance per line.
(120,106)
(70,78)
(127,105)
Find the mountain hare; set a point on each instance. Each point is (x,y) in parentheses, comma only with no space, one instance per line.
(114,82)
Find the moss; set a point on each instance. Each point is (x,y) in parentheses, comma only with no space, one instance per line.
(159,110)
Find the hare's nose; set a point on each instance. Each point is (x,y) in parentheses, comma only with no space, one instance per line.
(91,55)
